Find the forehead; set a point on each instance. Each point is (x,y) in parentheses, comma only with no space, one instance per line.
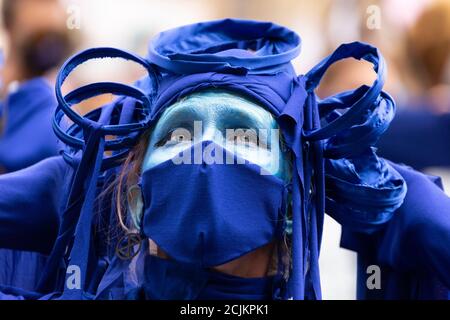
(220,107)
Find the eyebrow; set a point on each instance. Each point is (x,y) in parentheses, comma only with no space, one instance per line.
(185,114)
(245,118)
(179,118)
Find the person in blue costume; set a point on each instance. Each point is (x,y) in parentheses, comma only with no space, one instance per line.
(210,177)
(36,46)
(425,116)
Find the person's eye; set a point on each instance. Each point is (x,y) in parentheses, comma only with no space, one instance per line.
(180,136)
(246,140)
(247,137)
(174,137)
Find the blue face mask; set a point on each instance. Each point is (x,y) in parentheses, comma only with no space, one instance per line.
(207,214)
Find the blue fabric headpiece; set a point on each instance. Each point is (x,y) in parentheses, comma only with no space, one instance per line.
(229,45)
(254,59)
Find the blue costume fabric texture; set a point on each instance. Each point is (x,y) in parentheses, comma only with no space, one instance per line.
(413,247)
(28,112)
(27,138)
(430,133)
(335,168)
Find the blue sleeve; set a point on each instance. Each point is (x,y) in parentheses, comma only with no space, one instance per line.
(29,206)
(430,133)
(418,236)
(27,136)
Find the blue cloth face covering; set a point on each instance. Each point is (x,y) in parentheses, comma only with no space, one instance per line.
(216,208)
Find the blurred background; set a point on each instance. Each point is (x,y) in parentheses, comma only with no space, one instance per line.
(414,37)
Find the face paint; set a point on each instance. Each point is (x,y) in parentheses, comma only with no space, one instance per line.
(214,127)
(232,122)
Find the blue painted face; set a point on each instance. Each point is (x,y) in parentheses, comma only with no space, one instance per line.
(229,120)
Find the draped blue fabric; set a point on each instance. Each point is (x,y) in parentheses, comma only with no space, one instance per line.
(26,139)
(430,133)
(191,283)
(412,250)
(225,45)
(29,222)
(335,167)
(28,112)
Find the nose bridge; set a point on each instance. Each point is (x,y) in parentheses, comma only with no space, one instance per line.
(211,131)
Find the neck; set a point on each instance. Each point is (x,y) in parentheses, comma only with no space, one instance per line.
(252,265)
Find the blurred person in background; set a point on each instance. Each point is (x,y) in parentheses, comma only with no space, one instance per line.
(420,133)
(417,52)
(37,42)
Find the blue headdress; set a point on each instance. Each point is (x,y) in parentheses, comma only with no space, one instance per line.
(254,59)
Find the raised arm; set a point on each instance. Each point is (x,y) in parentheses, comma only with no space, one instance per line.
(29,206)
(418,237)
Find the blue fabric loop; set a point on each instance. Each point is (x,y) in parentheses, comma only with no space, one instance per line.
(356,50)
(96,53)
(125,134)
(92,90)
(95,89)
(74,136)
(77,217)
(364,132)
(329,134)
